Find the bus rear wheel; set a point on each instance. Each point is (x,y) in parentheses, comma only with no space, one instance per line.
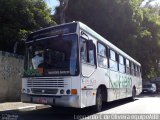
(99,101)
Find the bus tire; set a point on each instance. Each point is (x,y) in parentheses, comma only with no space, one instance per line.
(99,101)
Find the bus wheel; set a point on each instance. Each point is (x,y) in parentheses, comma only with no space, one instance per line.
(98,106)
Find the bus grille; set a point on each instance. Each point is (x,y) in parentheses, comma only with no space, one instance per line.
(46,82)
(44,91)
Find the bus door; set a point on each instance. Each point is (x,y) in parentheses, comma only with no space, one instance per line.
(88,67)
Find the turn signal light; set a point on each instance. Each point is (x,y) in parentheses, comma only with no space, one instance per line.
(74,91)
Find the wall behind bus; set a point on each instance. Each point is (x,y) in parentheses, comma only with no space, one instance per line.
(11,69)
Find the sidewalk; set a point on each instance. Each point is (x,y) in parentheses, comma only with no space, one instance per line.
(7,106)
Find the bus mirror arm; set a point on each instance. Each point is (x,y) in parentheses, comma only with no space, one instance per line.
(84,35)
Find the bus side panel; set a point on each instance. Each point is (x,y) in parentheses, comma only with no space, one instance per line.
(139,86)
(137,82)
(91,83)
(75,84)
(88,93)
(129,85)
(123,84)
(113,85)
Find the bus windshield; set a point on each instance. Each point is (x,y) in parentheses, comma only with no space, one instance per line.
(56,56)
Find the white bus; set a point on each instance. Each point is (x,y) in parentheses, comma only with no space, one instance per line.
(71,65)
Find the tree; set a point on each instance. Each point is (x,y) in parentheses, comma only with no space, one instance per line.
(20,17)
(151,24)
(60,15)
(132,28)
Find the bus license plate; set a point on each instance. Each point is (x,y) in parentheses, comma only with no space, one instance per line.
(42,100)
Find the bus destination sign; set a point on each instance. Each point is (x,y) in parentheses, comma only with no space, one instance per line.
(53,31)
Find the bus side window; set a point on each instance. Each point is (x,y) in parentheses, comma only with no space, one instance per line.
(102,56)
(128,67)
(139,70)
(121,64)
(87,51)
(91,52)
(132,68)
(83,50)
(136,70)
(113,64)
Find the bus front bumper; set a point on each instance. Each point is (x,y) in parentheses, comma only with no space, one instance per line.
(66,101)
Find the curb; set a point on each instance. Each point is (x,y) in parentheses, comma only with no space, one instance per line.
(27,108)
(42,107)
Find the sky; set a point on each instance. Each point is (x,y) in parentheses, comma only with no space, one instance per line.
(52,4)
(154,1)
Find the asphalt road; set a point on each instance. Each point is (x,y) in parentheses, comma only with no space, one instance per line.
(144,104)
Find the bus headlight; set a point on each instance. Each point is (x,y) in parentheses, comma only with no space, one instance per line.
(62,91)
(68,92)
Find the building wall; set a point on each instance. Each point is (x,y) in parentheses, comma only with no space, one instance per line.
(11,70)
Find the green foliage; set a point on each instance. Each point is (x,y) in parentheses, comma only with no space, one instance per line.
(134,29)
(152,73)
(152,42)
(20,17)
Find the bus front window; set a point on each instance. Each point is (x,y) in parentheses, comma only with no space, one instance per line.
(55,56)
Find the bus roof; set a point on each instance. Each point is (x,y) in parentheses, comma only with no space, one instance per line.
(99,37)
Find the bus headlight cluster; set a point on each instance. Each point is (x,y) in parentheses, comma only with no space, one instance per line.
(67,91)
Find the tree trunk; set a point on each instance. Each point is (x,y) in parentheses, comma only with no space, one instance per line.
(63,7)
(15,47)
